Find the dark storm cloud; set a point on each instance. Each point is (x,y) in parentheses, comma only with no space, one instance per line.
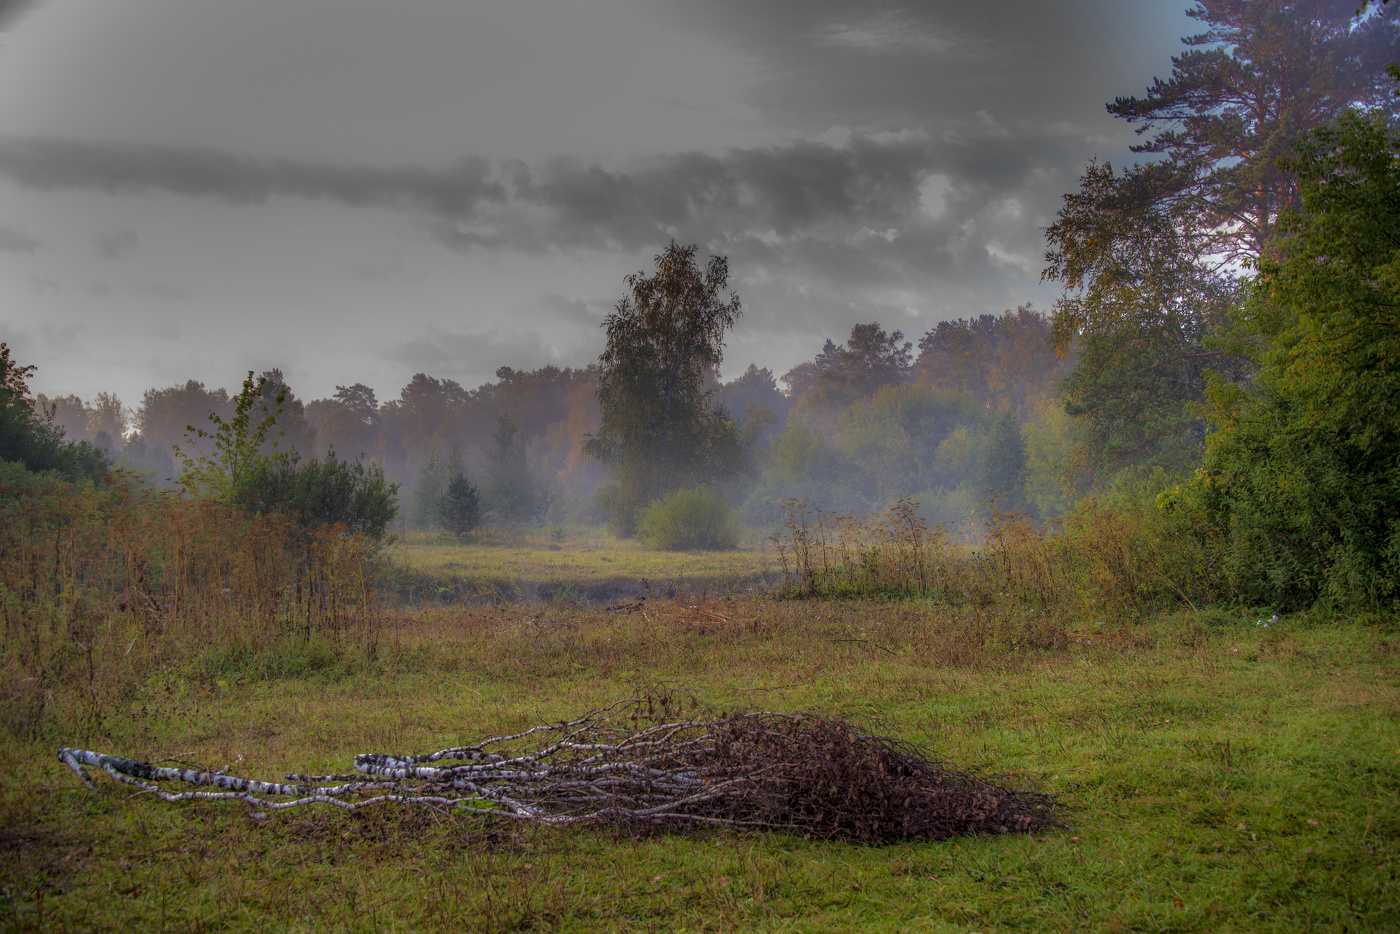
(14,240)
(757,197)
(781,190)
(49,164)
(11,10)
(887,64)
(884,210)
(870,212)
(689,195)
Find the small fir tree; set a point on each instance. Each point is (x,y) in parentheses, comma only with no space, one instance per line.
(460,506)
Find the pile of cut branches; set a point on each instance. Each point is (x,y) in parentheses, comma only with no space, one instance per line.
(651,763)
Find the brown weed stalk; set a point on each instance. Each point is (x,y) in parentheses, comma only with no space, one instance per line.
(98,586)
(1097,559)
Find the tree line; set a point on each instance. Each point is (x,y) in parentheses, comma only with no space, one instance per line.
(531,446)
(1225,336)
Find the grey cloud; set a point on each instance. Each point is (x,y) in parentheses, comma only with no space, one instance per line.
(851,220)
(883,33)
(473,357)
(11,10)
(163,291)
(116,242)
(772,192)
(756,197)
(857,214)
(47,163)
(387,270)
(890,63)
(573,311)
(14,240)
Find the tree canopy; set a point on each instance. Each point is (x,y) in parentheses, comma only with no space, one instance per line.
(28,437)
(1261,75)
(1301,466)
(661,429)
(1151,257)
(244,468)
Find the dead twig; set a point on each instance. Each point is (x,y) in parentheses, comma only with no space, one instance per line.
(656,762)
(869,643)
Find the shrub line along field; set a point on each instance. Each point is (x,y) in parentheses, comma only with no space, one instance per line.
(1217,775)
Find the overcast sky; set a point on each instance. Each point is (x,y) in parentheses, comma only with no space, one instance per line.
(357,191)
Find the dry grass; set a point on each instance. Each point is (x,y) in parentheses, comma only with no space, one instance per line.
(100,588)
(1129,558)
(1218,775)
(515,566)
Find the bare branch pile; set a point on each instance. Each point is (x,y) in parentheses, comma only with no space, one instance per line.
(644,765)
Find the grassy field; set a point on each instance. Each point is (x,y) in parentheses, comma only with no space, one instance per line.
(1216,775)
(583,567)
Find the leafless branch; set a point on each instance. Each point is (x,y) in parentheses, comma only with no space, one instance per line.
(643,764)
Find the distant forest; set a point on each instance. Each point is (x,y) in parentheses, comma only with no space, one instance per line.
(1220,370)
(860,425)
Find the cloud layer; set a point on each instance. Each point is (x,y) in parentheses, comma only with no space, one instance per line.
(474,192)
(55,164)
(856,211)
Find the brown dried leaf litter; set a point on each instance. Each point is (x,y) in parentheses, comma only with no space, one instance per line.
(656,762)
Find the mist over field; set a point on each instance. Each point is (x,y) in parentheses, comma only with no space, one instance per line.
(859,426)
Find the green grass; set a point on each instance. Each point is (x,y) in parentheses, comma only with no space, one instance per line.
(583,567)
(1216,776)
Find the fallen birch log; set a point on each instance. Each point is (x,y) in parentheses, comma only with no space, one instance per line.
(642,764)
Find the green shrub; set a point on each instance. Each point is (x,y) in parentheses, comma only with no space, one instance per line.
(27,437)
(460,506)
(689,520)
(320,492)
(1300,467)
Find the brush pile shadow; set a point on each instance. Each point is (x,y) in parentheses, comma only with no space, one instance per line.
(658,762)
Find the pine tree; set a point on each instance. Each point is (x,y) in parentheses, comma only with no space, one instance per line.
(460,506)
(512,493)
(1002,472)
(1262,75)
(1149,257)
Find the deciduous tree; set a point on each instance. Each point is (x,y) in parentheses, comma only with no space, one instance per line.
(1301,466)
(28,438)
(661,429)
(1150,258)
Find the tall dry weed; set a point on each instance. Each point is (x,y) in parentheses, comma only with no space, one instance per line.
(100,587)
(1125,558)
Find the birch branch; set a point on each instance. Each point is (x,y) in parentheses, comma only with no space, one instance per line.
(637,764)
